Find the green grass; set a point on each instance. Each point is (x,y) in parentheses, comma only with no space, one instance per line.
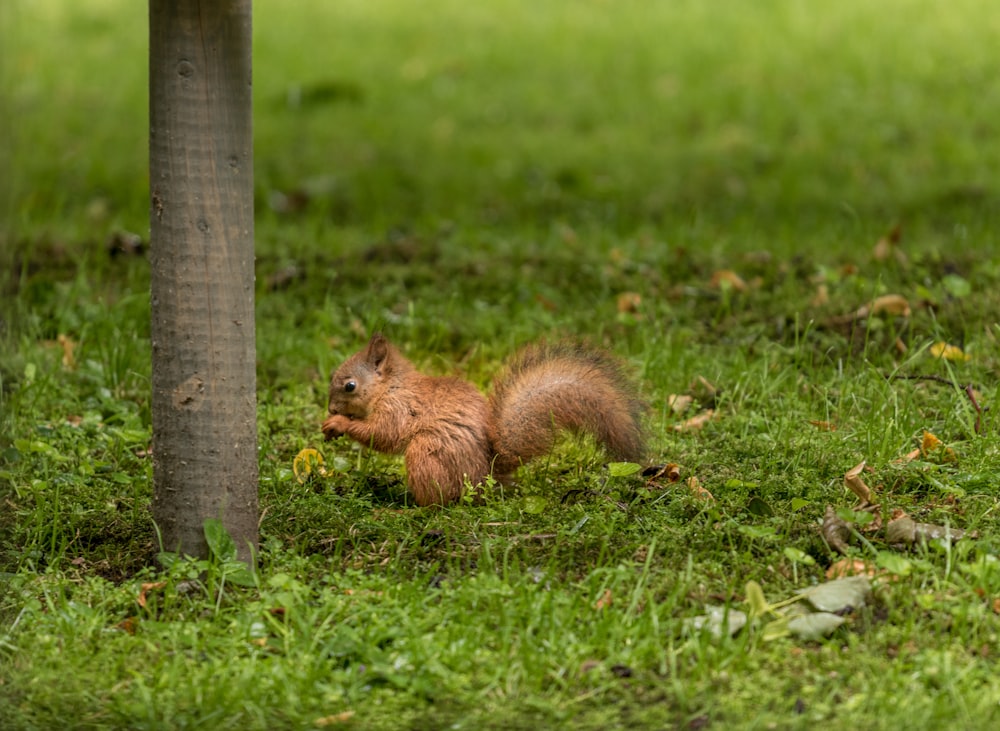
(469,177)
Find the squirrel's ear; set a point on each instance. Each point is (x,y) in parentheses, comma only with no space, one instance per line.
(377,350)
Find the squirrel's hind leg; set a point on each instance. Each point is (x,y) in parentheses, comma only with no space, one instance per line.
(436,476)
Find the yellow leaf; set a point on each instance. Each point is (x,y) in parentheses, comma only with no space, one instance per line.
(930,443)
(948,352)
(305,462)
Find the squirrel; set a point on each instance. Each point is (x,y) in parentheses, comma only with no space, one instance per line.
(452,435)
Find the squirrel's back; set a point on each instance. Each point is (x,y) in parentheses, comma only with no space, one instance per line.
(548,387)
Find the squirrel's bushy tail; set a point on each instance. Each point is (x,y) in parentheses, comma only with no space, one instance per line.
(548,387)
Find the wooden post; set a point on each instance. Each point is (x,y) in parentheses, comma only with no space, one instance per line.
(202,258)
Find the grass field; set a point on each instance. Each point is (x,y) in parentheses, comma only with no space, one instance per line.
(779,212)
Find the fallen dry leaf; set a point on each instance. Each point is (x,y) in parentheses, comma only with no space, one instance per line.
(850,567)
(892,305)
(728,278)
(931,445)
(305,463)
(335,719)
(67,345)
(604,601)
(823,425)
(948,352)
(821,297)
(888,246)
(888,304)
(696,422)
(679,403)
(835,531)
(856,485)
(628,303)
(671,472)
(145,588)
(903,529)
(128,625)
(694,485)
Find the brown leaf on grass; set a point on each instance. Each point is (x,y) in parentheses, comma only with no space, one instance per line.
(670,472)
(678,403)
(697,491)
(835,531)
(696,422)
(903,529)
(823,425)
(888,246)
(629,303)
(129,625)
(67,345)
(850,567)
(821,297)
(853,481)
(727,278)
(146,588)
(604,601)
(889,305)
(893,305)
(335,719)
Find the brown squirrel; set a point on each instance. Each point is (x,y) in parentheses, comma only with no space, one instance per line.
(451,434)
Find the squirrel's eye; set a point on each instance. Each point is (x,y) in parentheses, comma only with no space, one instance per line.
(350,386)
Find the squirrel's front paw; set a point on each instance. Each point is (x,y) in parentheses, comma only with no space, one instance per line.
(335,426)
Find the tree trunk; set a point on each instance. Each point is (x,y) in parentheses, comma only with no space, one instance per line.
(201,242)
